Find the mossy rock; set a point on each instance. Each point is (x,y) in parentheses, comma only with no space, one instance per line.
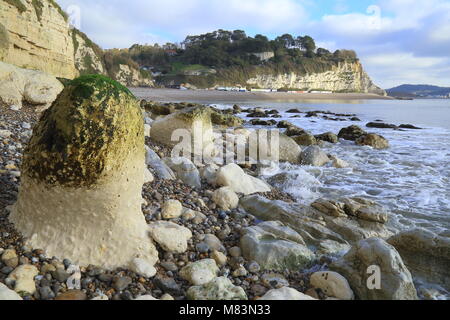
(226,120)
(91,129)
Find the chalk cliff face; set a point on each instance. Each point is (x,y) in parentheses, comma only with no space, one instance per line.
(87,60)
(131,77)
(37,36)
(346,76)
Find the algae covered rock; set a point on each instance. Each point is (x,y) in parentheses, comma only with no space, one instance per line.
(82,176)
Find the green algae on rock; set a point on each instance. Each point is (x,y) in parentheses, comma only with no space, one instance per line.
(81,188)
(85,133)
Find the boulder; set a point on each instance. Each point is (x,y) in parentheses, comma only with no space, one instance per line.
(381,125)
(226,198)
(285,294)
(200,272)
(373,140)
(234,177)
(170,236)
(209,173)
(275,247)
(294,131)
(23,276)
(305,139)
(351,133)
(426,254)
(395,279)
(82,175)
(328,137)
(193,124)
(185,170)
(339,163)
(314,156)
(326,231)
(332,284)
(219,289)
(21,85)
(288,150)
(225,120)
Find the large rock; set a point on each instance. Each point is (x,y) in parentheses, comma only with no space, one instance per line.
(396,281)
(24,278)
(82,176)
(185,170)
(192,125)
(325,230)
(234,177)
(285,294)
(8,294)
(34,87)
(219,289)
(328,137)
(289,150)
(200,272)
(426,254)
(332,284)
(314,156)
(275,247)
(305,139)
(225,120)
(351,133)
(170,236)
(373,140)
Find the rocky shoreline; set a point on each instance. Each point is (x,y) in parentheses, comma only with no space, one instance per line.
(222,240)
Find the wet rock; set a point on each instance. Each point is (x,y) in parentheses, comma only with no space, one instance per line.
(218,289)
(396,282)
(305,139)
(351,133)
(121,283)
(328,137)
(381,125)
(373,140)
(314,156)
(10,258)
(426,254)
(409,126)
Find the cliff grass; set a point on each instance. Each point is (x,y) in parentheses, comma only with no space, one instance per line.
(38,8)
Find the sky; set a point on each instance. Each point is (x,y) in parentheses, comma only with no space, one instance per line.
(398,41)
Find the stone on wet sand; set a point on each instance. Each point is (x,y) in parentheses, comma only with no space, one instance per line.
(226,198)
(332,284)
(234,177)
(200,272)
(360,263)
(285,294)
(219,289)
(171,209)
(23,276)
(314,156)
(170,236)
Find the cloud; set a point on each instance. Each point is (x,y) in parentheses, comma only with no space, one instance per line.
(398,41)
